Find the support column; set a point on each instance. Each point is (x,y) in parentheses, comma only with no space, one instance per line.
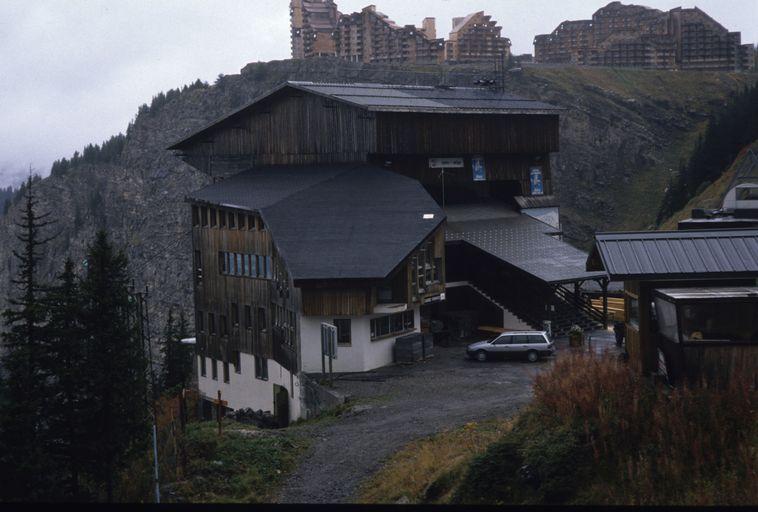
(604,287)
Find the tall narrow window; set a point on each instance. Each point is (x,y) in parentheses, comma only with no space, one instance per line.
(259,267)
(202,365)
(223,269)
(223,325)
(200,325)
(232,220)
(198,267)
(214,369)
(239,265)
(203,216)
(250,222)
(221,218)
(261,319)
(343,330)
(248,317)
(211,323)
(236,360)
(213,217)
(226,372)
(241,220)
(235,315)
(261,368)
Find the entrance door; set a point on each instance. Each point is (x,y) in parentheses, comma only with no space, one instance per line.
(281,405)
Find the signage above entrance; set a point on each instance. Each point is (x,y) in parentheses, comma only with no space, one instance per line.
(446,163)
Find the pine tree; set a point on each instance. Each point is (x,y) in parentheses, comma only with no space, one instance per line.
(23,427)
(177,357)
(67,397)
(118,416)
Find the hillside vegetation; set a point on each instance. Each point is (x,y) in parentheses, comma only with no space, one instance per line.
(622,135)
(712,196)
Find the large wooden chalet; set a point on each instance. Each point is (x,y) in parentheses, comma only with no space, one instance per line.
(326,207)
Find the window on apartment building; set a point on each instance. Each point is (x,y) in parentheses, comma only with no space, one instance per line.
(232,220)
(261,368)
(238,267)
(214,369)
(213,217)
(269,268)
(202,365)
(203,216)
(235,315)
(221,219)
(343,326)
(241,220)
(195,216)
(248,317)
(223,325)
(222,263)
(250,222)
(392,325)
(236,360)
(226,372)
(261,319)
(211,323)
(198,267)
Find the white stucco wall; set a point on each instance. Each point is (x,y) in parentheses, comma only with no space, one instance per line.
(245,391)
(361,356)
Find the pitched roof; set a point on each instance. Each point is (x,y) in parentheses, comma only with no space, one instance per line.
(676,254)
(526,244)
(333,221)
(402,98)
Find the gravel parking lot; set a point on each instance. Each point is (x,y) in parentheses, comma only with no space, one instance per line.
(399,404)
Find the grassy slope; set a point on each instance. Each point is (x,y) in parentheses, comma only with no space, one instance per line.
(713,196)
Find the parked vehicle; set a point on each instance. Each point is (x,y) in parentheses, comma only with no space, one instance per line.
(523,344)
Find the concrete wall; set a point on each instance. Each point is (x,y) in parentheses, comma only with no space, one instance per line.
(245,391)
(363,354)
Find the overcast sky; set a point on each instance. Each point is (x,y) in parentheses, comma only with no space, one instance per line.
(74,71)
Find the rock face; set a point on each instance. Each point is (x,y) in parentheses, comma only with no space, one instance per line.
(622,133)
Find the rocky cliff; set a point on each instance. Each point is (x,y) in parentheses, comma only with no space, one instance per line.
(623,132)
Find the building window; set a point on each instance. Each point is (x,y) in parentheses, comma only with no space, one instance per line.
(232,220)
(392,325)
(211,323)
(248,317)
(261,368)
(223,325)
(222,219)
(250,223)
(202,365)
(195,216)
(199,324)
(236,361)
(203,216)
(226,372)
(247,265)
(241,220)
(261,319)
(235,315)
(214,369)
(198,267)
(213,217)
(343,326)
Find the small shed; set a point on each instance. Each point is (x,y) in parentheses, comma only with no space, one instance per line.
(660,268)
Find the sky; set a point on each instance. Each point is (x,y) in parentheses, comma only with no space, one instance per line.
(73,72)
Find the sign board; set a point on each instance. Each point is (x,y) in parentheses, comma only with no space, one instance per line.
(329,341)
(446,163)
(477,166)
(535,181)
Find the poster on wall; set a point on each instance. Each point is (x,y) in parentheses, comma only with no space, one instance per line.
(477,165)
(535,181)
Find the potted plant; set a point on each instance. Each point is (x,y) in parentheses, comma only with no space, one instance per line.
(576,336)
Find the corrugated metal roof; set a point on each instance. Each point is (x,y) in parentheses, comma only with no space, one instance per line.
(333,221)
(526,244)
(676,254)
(715,293)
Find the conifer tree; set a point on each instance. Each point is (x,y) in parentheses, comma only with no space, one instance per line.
(177,357)
(23,426)
(118,416)
(67,397)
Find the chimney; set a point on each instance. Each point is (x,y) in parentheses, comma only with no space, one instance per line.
(456,21)
(370,8)
(429,26)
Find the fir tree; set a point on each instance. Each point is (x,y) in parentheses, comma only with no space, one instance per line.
(23,426)
(177,357)
(68,367)
(118,416)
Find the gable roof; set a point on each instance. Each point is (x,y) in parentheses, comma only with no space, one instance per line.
(676,254)
(402,98)
(333,221)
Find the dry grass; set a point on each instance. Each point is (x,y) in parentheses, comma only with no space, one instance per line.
(425,471)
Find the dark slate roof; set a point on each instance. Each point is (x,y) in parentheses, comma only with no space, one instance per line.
(333,222)
(526,244)
(676,254)
(526,202)
(403,98)
(418,98)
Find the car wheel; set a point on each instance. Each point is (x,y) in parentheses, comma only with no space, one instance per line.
(532,356)
(481,356)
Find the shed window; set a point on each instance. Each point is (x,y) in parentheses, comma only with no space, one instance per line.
(388,325)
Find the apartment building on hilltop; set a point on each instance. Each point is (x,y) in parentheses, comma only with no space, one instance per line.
(621,35)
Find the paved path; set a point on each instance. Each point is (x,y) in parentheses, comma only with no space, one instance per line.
(398,405)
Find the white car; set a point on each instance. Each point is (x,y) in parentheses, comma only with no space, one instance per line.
(529,344)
